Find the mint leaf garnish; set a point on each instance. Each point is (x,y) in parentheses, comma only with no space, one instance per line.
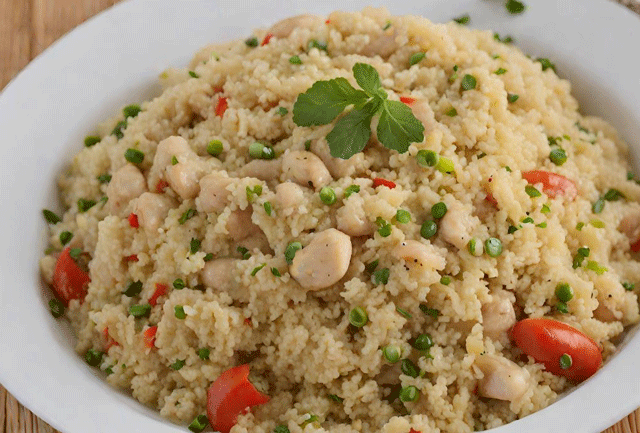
(325,100)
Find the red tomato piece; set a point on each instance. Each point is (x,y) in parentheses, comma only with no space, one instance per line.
(266,39)
(378,181)
(161,290)
(69,281)
(161,186)
(327,22)
(546,340)
(131,258)
(407,100)
(231,395)
(150,336)
(414,431)
(221,107)
(133,220)
(635,247)
(553,184)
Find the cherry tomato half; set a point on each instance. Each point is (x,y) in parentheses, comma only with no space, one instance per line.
(553,184)
(546,340)
(231,395)
(69,280)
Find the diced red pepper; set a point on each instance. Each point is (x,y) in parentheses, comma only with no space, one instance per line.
(635,247)
(150,336)
(266,39)
(221,107)
(248,322)
(110,342)
(131,258)
(217,89)
(161,186)
(327,22)
(133,220)
(414,431)
(491,199)
(378,181)
(161,290)
(407,100)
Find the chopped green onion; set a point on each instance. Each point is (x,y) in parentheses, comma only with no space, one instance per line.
(56,307)
(178,284)
(409,368)
(475,247)
(295,60)
(468,82)
(542,225)
(627,286)
(251,42)
(545,209)
(134,156)
(199,424)
(558,156)
(93,357)
(215,148)
(282,111)
(281,429)
(133,289)
(74,253)
(384,228)
(500,71)
(451,112)
(307,145)
(276,272)
(178,311)
(528,220)
(131,110)
(203,353)
(598,206)
(404,313)
(84,204)
(193,74)
(257,269)
(194,245)
(423,342)
(613,195)
(243,252)
(391,354)
(351,190)
(512,229)
(532,191)
(313,43)
(117,130)
(512,97)
(428,229)
(188,214)
(438,210)
(562,307)
(140,310)
(358,317)
(546,64)
(493,247)
(445,165)
(433,312)
(387,25)
(174,160)
(597,224)
(370,267)
(403,216)
(565,361)
(506,40)
(327,195)
(579,226)
(596,267)
(445,280)
(290,251)
(381,276)
(104,178)
(208,257)
(564,292)
(427,158)
(416,58)
(267,207)
(336,398)
(177,365)
(51,217)
(65,237)
(463,19)
(91,140)
(584,251)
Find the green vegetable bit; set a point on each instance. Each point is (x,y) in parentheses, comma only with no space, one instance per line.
(215,148)
(282,111)
(512,97)
(203,353)
(335,398)
(433,312)
(199,424)
(314,43)
(117,130)
(243,252)
(438,210)
(193,74)
(276,272)
(65,237)
(451,112)
(381,276)
(515,7)
(74,253)
(416,58)
(267,207)
(133,289)
(493,247)
(140,310)
(174,160)
(384,228)
(178,364)
(423,342)
(628,286)
(358,317)
(546,64)
(468,82)
(532,191)
(506,40)
(51,217)
(445,165)
(91,140)
(428,229)
(596,267)
(178,284)
(257,269)
(445,280)
(84,204)
(562,307)
(427,158)
(290,251)
(104,178)
(327,195)
(391,353)
(131,110)
(251,42)
(325,100)
(512,229)
(463,19)
(134,156)
(409,368)
(473,247)
(564,292)
(178,311)
(281,429)
(352,189)
(613,195)
(403,216)
(194,245)
(258,150)
(93,357)
(56,307)
(566,361)
(404,313)
(295,60)
(545,209)
(370,267)
(387,25)
(187,215)
(500,71)
(409,393)
(558,156)
(598,206)
(597,224)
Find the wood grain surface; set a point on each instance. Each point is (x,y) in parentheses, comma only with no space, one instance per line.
(27,27)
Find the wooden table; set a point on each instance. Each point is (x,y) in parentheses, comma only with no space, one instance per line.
(27,27)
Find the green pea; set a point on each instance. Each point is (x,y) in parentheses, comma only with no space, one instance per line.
(409,368)
(403,216)
(493,247)
(428,229)
(423,342)
(327,195)
(178,284)
(445,280)
(358,317)
(558,156)
(409,393)
(215,147)
(468,82)
(438,210)
(427,158)
(566,361)
(255,150)
(564,292)
(138,311)
(391,353)
(179,312)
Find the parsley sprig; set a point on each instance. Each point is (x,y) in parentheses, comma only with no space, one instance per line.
(325,100)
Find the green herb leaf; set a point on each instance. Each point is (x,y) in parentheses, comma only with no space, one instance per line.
(324,101)
(416,58)
(546,64)
(91,140)
(398,127)
(515,7)
(368,79)
(463,19)
(352,132)
(51,217)
(192,74)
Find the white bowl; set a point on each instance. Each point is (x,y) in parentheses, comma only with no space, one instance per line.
(115,58)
